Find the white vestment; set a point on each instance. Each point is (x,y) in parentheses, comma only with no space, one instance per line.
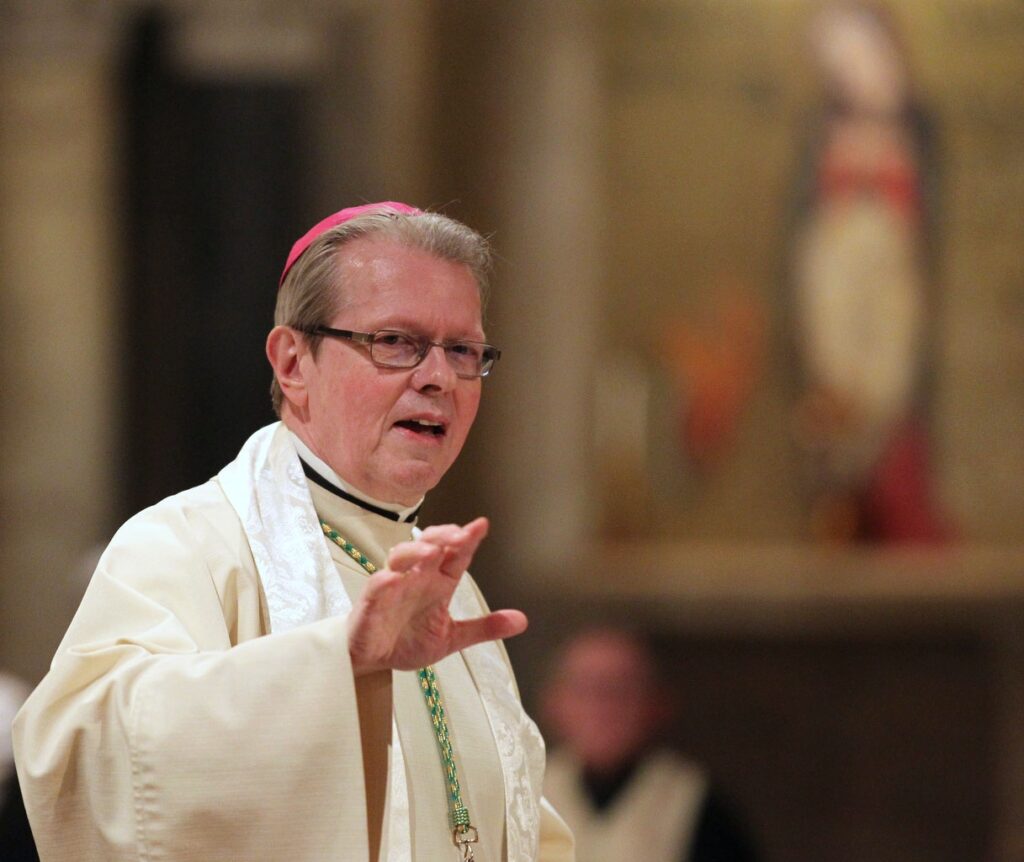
(170,728)
(654,817)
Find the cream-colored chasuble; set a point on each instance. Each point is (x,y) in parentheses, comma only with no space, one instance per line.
(653,818)
(171,727)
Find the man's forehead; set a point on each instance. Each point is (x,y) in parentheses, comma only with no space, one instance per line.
(382,261)
(369,251)
(386,284)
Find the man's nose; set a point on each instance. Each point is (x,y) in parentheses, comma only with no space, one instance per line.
(435,370)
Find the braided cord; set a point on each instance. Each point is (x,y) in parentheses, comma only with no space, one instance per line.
(457,811)
(347,547)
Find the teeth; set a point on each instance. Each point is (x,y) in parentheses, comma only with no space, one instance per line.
(426,423)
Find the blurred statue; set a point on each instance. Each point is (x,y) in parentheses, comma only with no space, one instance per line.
(862,280)
(624,794)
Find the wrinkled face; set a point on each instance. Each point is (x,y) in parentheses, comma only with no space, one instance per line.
(604,704)
(393,433)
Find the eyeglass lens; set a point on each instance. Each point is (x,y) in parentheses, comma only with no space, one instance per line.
(400,350)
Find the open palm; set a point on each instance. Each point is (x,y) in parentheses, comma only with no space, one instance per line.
(402,621)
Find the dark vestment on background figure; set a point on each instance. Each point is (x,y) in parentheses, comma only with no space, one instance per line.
(16,843)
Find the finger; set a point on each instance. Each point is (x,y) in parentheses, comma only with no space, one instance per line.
(449,538)
(460,555)
(493,626)
(478,528)
(445,536)
(459,543)
(408,555)
(454,534)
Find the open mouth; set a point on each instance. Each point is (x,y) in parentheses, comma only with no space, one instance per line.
(422,426)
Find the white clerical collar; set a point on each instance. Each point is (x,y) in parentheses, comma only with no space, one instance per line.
(310,458)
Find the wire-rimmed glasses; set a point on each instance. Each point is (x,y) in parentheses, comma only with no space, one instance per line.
(391,348)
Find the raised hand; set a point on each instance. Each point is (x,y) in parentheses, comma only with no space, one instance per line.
(401,621)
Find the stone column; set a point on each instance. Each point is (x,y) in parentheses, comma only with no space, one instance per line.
(554,219)
(58,274)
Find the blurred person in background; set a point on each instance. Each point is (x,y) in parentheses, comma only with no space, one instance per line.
(13,692)
(625,794)
(16,843)
(277,664)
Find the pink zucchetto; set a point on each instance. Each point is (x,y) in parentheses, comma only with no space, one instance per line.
(341,217)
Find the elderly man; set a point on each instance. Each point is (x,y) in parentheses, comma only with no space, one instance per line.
(276,664)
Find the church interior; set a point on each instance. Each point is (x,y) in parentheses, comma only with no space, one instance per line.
(759,291)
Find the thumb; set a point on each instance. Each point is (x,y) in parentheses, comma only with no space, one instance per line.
(494,626)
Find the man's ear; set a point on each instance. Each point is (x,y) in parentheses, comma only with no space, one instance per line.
(285,350)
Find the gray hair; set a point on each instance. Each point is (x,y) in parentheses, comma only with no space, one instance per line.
(313,292)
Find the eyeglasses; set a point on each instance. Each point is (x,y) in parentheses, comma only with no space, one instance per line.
(390,348)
